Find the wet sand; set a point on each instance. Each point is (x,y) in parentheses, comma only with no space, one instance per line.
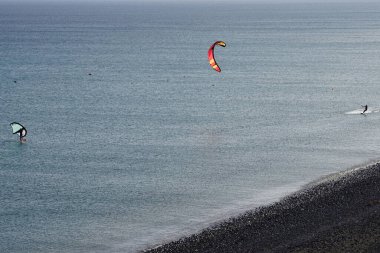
(340,213)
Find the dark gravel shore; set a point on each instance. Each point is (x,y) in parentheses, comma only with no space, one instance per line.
(341,213)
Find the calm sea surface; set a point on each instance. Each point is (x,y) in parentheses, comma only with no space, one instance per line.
(155,144)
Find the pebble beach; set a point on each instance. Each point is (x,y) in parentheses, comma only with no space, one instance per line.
(339,213)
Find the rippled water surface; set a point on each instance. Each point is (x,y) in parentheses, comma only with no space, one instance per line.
(155,144)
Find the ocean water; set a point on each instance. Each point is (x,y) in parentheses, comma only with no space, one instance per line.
(154,144)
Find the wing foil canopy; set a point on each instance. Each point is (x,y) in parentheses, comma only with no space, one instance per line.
(18,129)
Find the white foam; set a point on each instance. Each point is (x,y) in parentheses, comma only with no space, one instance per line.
(360,111)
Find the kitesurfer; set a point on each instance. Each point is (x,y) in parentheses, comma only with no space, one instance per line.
(365,108)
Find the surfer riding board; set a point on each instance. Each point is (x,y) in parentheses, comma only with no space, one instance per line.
(365,108)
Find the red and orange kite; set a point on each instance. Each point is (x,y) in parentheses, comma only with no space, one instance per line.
(211,58)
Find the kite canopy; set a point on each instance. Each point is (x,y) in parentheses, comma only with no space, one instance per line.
(211,58)
(19,129)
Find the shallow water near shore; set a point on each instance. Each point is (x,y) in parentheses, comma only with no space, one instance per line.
(154,144)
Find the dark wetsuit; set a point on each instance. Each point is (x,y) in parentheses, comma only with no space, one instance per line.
(365,109)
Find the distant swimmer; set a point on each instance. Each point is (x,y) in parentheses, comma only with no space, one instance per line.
(89,74)
(365,108)
(15,81)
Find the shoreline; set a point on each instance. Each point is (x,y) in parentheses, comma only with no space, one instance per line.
(337,213)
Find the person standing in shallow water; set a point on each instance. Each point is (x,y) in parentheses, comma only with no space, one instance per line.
(365,108)
(22,135)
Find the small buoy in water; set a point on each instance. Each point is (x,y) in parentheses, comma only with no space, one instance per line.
(15,81)
(89,74)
